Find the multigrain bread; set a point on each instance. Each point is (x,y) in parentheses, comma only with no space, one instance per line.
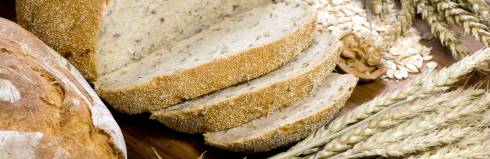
(237,49)
(90,32)
(47,109)
(290,124)
(233,106)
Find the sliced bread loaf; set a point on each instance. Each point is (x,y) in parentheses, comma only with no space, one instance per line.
(233,106)
(238,49)
(290,124)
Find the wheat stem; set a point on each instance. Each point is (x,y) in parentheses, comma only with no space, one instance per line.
(439,29)
(470,23)
(422,86)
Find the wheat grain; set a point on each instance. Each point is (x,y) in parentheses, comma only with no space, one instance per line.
(405,20)
(413,144)
(424,85)
(470,23)
(439,29)
(395,117)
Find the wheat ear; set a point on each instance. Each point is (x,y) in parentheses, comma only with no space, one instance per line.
(474,138)
(478,7)
(456,15)
(376,7)
(414,143)
(403,23)
(439,29)
(392,118)
(377,145)
(450,100)
(422,86)
(421,125)
(476,151)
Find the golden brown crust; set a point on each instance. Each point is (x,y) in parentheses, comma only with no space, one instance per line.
(168,90)
(286,134)
(71,27)
(241,109)
(51,100)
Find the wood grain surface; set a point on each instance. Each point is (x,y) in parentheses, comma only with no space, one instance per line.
(149,139)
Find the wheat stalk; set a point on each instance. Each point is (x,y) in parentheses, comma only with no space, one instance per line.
(413,143)
(424,85)
(395,117)
(470,23)
(439,29)
(405,20)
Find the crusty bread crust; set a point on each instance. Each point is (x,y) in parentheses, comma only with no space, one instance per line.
(168,90)
(287,133)
(240,109)
(50,97)
(71,27)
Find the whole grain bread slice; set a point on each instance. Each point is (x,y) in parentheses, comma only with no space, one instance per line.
(101,36)
(290,124)
(233,51)
(233,106)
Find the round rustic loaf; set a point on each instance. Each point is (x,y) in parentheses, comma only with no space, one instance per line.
(47,110)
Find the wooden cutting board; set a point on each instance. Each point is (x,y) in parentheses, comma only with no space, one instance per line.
(149,139)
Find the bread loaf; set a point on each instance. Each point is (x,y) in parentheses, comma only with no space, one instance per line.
(233,106)
(47,109)
(148,55)
(290,124)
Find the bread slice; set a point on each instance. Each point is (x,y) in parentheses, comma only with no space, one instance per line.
(101,36)
(235,50)
(290,124)
(233,106)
